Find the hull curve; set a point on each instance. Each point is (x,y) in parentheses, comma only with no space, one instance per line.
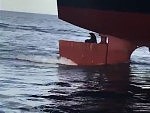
(129,22)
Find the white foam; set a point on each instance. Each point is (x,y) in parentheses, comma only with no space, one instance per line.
(65,61)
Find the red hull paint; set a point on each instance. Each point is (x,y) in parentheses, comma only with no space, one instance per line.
(83,53)
(133,27)
(97,54)
(119,50)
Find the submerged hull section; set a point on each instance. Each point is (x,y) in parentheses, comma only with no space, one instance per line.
(128,19)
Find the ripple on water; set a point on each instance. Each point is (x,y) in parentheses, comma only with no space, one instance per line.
(34,79)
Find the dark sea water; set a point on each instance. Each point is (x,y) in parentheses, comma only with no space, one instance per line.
(34,80)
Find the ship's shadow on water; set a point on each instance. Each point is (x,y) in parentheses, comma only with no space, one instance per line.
(103,89)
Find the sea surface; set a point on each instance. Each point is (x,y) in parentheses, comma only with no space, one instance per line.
(34,80)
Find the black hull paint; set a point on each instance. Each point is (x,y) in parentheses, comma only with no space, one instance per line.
(136,6)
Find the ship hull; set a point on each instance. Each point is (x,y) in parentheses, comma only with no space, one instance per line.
(127,22)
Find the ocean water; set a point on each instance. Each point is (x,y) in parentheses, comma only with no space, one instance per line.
(34,80)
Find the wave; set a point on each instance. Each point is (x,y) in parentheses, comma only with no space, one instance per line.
(45,60)
(140,63)
(55,29)
(23,27)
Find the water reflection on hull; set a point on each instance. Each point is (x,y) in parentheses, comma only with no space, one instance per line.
(90,90)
